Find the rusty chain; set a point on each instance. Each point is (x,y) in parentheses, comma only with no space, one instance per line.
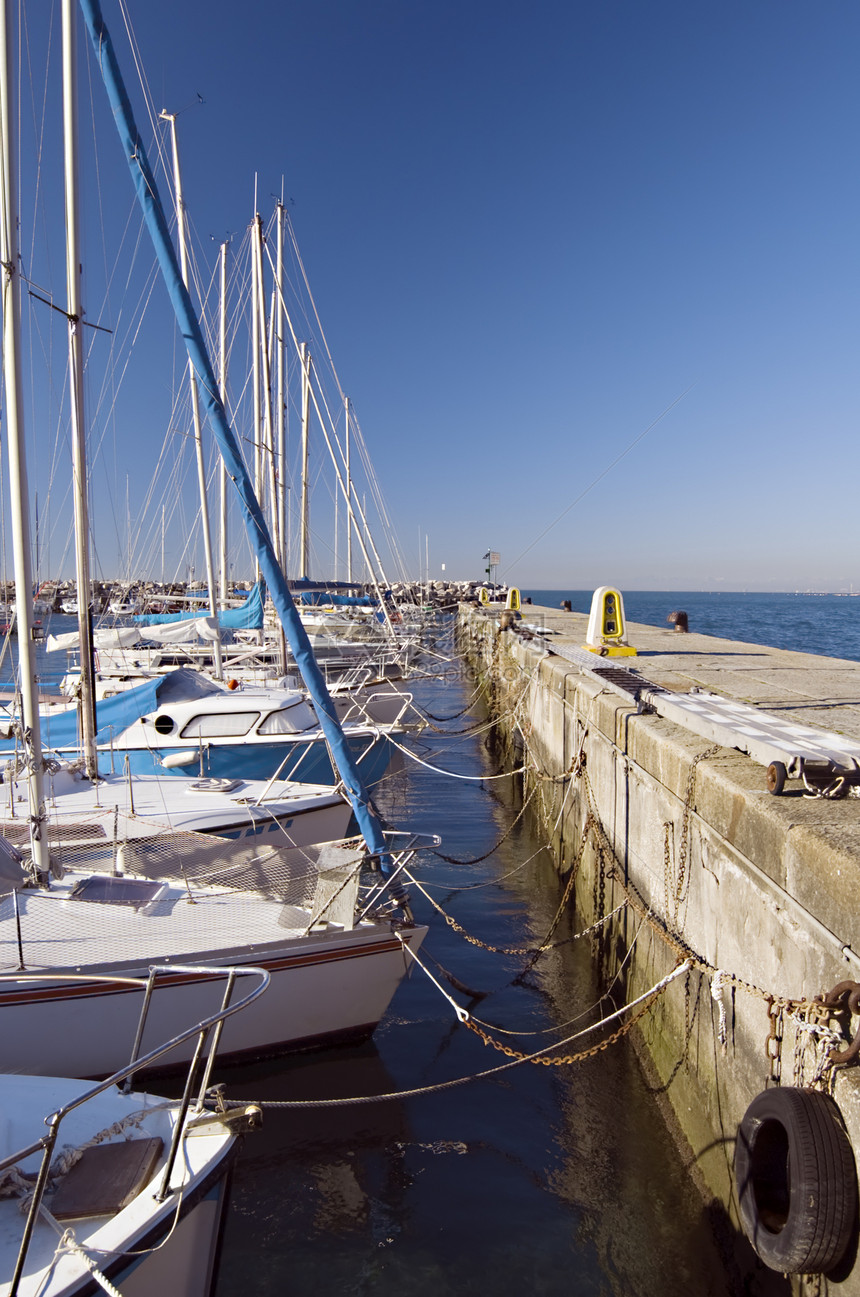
(565,1059)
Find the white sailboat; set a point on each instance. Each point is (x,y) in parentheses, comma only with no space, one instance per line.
(102,1186)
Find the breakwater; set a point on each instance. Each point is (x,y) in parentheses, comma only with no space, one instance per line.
(674,845)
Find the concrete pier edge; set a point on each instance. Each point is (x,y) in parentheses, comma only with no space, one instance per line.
(761,890)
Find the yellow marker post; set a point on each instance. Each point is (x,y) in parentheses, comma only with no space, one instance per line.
(484,595)
(607,632)
(513,599)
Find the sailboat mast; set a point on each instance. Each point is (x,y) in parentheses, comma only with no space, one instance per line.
(306,416)
(195,399)
(348,498)
(255,370)
(222,388)
(76,384)
(281,394)
(17,460)
(268,450)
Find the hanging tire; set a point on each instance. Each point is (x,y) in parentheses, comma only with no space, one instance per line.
(796,1181)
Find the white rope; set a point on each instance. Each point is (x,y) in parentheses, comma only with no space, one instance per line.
(718,982)
(451,774)
(68,1244)
(476,1076)
(461,1013)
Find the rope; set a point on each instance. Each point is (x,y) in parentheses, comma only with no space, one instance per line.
(481,689)
(717,982)
(537,1057)
(676,943)
(69,1245)
(504,774)
(476,860)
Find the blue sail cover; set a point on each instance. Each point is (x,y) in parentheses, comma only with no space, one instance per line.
(248,617)
(337,600)
(113,715)
(255,522)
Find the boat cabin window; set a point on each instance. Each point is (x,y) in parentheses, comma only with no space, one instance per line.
(289,720)
(220,725)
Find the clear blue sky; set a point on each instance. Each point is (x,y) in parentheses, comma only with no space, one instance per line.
(530,230)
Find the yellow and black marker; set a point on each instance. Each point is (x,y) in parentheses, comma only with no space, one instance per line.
(607,631)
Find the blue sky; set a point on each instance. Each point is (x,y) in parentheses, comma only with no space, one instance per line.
(529,231)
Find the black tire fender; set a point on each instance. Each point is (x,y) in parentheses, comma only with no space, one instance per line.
(796,1180)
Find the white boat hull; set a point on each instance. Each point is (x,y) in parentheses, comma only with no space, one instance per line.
(329,987)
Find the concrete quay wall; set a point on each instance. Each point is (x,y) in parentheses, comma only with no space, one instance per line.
(760,890)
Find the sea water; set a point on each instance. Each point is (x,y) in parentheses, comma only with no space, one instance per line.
(530,1180)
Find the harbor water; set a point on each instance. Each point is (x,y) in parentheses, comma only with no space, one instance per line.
(532,1179)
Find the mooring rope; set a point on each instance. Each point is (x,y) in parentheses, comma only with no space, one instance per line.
(539,1056)
(477,860)
(480,779)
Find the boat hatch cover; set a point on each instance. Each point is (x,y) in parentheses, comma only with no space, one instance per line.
(108,890)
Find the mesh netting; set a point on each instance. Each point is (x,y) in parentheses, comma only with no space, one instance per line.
(217,889)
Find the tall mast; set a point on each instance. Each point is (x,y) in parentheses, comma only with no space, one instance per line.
(19,503)
(222,388)
(195,399)
(348,499)
(280,428)
(306,415)
(267,465)
(255,370)
(76,384)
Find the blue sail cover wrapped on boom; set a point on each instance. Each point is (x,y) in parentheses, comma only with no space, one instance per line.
(255,523)
(248,617)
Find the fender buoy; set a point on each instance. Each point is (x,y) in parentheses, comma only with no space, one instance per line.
(796,1180)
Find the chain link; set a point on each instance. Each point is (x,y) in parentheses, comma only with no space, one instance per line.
(773,1043)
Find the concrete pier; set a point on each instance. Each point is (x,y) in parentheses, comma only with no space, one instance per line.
(759,891)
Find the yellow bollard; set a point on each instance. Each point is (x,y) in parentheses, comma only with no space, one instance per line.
(607,633)
(513,599)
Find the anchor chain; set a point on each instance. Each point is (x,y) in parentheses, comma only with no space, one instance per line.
(844,996)
(773,1043)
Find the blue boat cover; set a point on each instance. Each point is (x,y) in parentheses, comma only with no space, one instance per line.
(248,617)
(115,714)
(337,600)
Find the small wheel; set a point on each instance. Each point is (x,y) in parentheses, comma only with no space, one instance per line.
(776,777)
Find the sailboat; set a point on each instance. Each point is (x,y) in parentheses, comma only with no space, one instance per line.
(105,1185)
(331,929)
(183,721)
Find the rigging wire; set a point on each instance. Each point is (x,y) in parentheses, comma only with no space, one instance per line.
(600,477)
